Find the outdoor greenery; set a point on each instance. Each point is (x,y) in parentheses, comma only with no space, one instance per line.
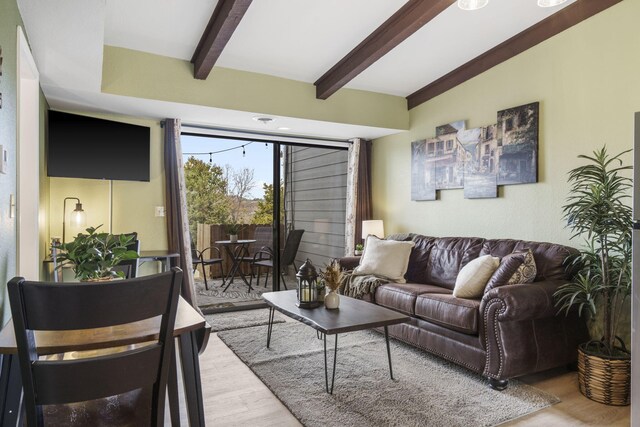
(94,254)
(217,195)
(264,212)
(207,200)
(598,210)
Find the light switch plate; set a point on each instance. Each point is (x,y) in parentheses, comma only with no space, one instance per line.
(4,160)
(159,211)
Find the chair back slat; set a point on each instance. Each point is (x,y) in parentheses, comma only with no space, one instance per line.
(94,305)
(263,237)
(291,247)
(66,381)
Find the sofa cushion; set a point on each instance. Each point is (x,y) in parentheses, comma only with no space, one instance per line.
(402,296)
(419,259)
(446,310)
(448,256)
(474,276)
(385,258)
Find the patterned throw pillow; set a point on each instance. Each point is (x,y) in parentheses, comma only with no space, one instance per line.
(526,273)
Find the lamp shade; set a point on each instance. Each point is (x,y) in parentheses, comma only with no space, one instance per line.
(472,4)
(78,217)
(374,227)
(550,3)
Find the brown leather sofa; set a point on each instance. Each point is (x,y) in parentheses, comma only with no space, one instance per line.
(511,331)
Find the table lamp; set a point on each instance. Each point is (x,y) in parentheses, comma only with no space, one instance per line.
(374,227)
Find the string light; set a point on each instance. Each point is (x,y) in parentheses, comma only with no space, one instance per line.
(211,153)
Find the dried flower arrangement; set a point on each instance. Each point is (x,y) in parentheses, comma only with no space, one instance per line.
(332,275)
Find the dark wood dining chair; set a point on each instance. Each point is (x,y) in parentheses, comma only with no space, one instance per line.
(198,258)
(124,387)
(287,258)
(130,267)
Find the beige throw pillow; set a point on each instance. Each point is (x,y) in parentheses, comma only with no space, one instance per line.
(474,276)
(386,258)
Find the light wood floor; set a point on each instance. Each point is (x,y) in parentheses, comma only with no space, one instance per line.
(234,396)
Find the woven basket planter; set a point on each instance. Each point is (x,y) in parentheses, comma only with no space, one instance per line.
(604,379)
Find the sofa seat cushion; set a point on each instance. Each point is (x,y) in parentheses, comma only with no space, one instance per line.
(459,314)
(402,296)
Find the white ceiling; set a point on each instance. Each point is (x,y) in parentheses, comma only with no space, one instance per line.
(295,39)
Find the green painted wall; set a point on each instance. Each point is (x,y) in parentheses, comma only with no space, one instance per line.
(588,85)
(9,21)
(144,75)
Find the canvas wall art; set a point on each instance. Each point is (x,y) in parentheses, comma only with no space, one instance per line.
(422,173)
(478,159)
(518,144)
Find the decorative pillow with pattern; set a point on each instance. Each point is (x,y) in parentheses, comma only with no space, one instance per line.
(527,271)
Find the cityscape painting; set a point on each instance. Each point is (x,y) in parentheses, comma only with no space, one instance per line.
(479,159)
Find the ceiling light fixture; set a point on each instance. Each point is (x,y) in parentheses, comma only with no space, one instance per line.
(264,120)
(472,4)
(479,4)
(284,128)
(550,3)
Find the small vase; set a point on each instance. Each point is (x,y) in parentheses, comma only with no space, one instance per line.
(332,300)
(233,238)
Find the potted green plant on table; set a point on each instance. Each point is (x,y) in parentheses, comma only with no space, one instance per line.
(359,249)
(598,210)
(94,254)
(233,229)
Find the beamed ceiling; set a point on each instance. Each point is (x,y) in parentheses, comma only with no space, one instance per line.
(416,49)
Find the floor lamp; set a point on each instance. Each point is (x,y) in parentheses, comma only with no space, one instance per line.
(78,217)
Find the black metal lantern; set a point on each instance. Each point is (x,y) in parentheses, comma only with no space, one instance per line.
(307,289)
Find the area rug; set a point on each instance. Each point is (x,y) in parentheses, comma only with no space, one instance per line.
(427,391)
(236,295)
(241,319)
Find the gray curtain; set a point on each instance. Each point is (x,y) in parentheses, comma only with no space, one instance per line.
(175,198)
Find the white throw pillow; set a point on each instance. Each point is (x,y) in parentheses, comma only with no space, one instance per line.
(474,276)
(386,258)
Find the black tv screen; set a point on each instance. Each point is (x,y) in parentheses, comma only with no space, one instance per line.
(84,147)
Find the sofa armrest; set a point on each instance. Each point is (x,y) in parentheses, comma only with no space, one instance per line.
(349,262)
(524,301)
(522,330)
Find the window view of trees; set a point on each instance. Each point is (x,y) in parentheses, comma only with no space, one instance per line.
(221,195)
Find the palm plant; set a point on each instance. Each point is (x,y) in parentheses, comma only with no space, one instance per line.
(598,209)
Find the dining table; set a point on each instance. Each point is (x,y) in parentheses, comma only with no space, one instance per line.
(191,332)
(236,249)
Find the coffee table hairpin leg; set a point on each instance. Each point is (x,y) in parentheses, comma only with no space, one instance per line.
(270,327)
(386,338)
(335,356)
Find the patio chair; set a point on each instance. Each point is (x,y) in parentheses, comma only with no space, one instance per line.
(265,258)
(263,236)
(198,258)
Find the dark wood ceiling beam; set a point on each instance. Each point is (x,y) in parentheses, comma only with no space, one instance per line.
(402,24)
(543,30)
(224,21)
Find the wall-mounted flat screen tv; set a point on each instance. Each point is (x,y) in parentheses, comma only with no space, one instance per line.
(85,147)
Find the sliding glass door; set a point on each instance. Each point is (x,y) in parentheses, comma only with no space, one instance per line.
(231,188)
